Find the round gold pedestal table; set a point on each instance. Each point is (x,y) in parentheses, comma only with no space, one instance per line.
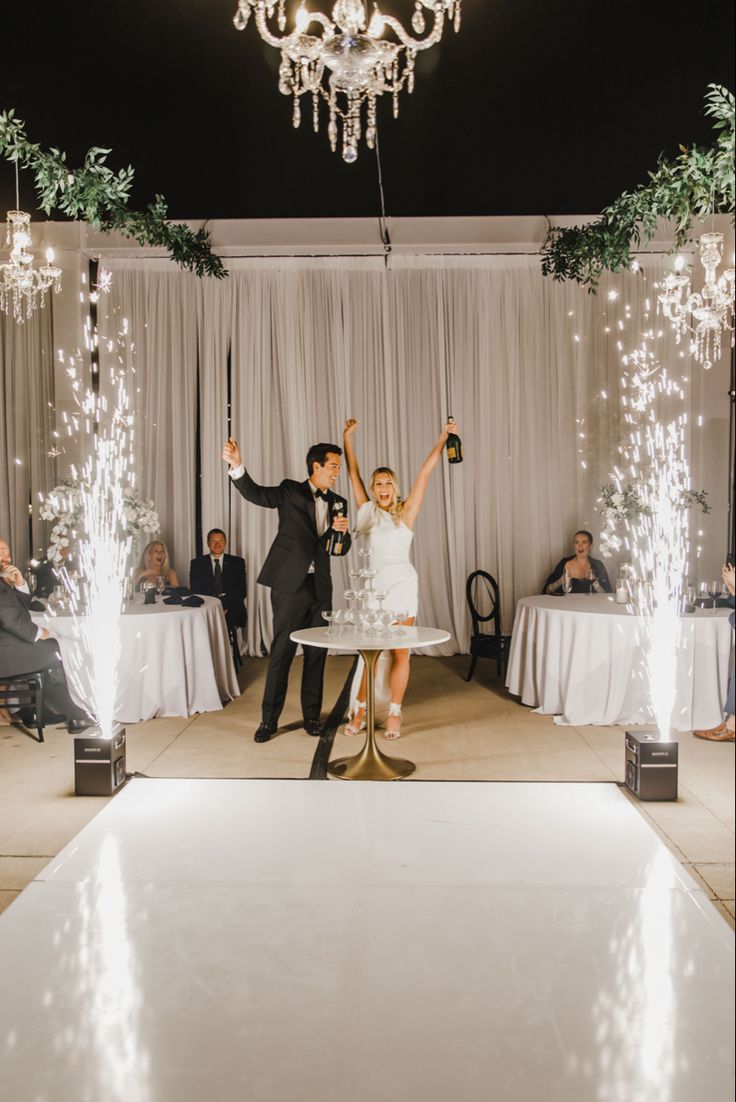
(370,764)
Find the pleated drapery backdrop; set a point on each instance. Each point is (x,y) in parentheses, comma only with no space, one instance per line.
(284,350)
(26,426)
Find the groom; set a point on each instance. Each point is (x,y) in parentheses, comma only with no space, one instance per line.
(297,569)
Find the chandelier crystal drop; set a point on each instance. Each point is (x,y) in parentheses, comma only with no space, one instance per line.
(23,287)
(345,60)
(705,314)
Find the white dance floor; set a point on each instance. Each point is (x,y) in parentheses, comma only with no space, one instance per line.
(303,941)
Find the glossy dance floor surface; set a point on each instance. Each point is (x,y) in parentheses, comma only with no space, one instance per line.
(290,941)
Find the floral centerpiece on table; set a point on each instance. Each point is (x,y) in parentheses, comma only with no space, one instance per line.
(620,504)
(63,506)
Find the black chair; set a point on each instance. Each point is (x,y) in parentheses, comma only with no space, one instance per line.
(25,690)
(237,659)
(481,590)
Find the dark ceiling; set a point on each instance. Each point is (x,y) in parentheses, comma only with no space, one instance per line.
(536,106)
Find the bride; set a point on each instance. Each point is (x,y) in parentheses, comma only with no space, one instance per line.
(386,524)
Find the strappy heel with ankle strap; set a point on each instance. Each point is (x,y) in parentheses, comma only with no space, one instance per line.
(357,721)
(394,712)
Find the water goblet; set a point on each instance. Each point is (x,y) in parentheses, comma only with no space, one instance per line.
(715,587)
(327,616)
(160,584)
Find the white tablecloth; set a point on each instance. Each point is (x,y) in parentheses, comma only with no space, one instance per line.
(174,661)
(577,658)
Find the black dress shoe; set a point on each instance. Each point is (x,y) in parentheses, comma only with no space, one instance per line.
(265,732)
(28,718)
(312,727)
(76,726)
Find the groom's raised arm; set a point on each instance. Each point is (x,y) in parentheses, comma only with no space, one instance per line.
(268,497)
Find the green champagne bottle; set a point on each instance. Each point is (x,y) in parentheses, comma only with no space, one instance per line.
(454,446)
(334,540)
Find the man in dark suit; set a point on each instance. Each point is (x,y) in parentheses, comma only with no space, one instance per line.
(297,568)
(221,575)
(25,648)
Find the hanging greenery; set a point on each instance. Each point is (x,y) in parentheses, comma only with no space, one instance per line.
(99,196)
(685,189)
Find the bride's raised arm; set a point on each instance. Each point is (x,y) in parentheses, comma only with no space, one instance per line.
(359,491)
(416,495)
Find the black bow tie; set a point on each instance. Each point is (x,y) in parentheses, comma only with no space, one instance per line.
(322,494)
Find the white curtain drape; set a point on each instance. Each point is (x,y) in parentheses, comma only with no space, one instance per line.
(26,412)
(529,368)
(148,323)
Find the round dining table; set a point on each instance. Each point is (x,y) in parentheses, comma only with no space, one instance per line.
(174,660)
(579,658)
(370,764)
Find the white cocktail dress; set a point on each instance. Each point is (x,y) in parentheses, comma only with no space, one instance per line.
(390,545)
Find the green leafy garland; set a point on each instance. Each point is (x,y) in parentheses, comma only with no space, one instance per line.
(687,188)
(100,197)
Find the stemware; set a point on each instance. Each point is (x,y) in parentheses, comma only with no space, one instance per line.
(160,584)
(567,584)
(400,615)
(690,595)
(338,618)
(380,595)
(327,615)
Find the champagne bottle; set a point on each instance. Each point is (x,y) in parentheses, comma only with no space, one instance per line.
(454,446)
(334,540)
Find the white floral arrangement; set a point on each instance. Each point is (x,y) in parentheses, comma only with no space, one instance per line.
(63,506)
(620,504)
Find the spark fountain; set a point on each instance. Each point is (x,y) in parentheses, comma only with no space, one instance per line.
(658,543)
(94,597)
(651,491)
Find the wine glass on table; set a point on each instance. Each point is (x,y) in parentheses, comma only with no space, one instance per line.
(160,585)
(567,584)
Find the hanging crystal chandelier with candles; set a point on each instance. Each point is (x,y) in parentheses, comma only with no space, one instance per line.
(705,314)
(347,62)
(23,287)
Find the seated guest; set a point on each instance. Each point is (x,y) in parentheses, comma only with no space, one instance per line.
(724,732)
(155,564)
(221,575)
(585,574)
(49,574)
(25,648)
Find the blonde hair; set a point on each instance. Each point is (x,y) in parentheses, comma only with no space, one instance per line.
(397,505)
(144,566)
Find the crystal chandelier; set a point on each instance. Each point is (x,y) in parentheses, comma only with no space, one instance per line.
(23,287)
(347,62)
(705,315)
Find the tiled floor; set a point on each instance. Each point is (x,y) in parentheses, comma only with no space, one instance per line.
(452,730)
(357,942)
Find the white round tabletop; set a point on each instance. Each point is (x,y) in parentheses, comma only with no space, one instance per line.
(412,638)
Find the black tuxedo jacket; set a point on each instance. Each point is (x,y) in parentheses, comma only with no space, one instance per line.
(16,627)
(202,580)
(297,543)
